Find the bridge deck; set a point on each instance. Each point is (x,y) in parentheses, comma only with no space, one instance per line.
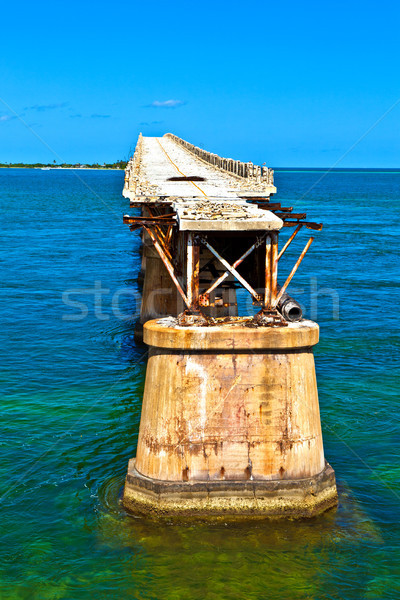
(163,159)
(203,197)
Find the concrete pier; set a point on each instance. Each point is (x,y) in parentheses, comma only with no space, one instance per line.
(230,423)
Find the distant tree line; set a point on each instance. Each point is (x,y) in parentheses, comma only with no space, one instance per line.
(119,164)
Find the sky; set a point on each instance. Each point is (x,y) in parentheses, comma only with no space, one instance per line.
(306,84)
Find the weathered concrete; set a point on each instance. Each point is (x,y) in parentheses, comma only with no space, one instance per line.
(230,404)
(160,161)
(224,215)
(300,498)
(261,176)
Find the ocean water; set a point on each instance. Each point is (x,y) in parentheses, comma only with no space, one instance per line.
(71,381)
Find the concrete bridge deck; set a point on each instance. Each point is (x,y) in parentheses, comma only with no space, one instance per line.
(164,167)
(163,159)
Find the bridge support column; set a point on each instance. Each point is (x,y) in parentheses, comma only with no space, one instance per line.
(230,424)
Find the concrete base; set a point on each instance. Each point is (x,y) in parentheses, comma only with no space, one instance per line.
(230,423)
(301,498)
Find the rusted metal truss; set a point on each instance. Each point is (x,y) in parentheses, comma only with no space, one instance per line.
(180,252)
(232,270)
(229,269)
(293,271)
(284,213)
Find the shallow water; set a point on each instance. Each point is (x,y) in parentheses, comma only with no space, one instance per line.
(72,386)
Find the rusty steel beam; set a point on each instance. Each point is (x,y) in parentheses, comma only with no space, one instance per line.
(192,270)
(308,224)
(235,264)
(157,227)
(283,215)
(274,266)
(267,271)
(290,240)
(159,217)
(232,270)
(269,205)
(162,242)
(168,265)
(146,221)
(276,206)
(293,271)
(256,198)
(271,269)
(165,247)
(283,208)
(168,235)
(154,221)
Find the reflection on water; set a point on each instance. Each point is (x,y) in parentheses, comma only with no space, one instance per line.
(223,560)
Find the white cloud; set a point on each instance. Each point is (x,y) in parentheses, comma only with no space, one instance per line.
(167,103)
(7,118)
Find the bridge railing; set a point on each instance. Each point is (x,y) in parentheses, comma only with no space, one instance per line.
(246,170)
(133,167)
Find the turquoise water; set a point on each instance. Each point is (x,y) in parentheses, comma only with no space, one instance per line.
(72,384)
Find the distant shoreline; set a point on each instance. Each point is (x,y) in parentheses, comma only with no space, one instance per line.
(115,165)
(66,168)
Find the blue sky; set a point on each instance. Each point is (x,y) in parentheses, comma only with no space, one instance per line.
(287,83)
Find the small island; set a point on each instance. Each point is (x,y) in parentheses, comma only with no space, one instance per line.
(119,164)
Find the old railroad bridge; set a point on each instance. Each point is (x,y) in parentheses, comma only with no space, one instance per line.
(230,421)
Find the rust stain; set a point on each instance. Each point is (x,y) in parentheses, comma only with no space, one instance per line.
(285,444)
(204,452)
(196,449)
(265,413)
